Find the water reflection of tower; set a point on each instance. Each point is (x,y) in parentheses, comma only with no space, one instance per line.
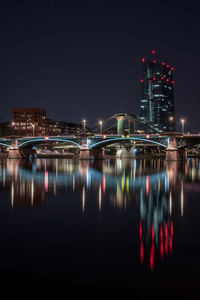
(156,224)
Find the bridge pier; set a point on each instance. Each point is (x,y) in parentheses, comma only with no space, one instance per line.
(98,153)
(86,153)
(126,153)
(17,153)
(182,154)
(173,153)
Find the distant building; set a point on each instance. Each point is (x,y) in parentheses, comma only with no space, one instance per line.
(62,128)
(69,128)
(29,121)
(52,127)
(33,122)
(157,100)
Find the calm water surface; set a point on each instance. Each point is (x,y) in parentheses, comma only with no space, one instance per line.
(121,225)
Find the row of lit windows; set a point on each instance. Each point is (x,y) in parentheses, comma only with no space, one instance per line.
(28,123)
(27,127)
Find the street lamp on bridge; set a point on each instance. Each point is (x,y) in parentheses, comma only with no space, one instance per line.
(33,125)
(100,124)
(171,119)
(84,125)
(182,123)
(13,127)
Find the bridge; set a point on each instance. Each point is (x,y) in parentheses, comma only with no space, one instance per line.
(92,144)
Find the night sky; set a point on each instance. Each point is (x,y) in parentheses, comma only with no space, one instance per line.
(84,60)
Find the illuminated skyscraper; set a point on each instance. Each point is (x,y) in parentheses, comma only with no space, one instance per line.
(157,101)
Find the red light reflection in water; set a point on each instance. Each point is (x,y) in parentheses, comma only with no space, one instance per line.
(171,237)
(161,249)
(165,245)
(161,242)
(104,184)
(172,228)
(161,232)
(166,238)
(170,245)
(140,229)
(151,259)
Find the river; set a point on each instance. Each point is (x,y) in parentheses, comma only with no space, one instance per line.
(112,225)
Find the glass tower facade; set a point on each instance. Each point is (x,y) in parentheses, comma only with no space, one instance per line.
(157,101)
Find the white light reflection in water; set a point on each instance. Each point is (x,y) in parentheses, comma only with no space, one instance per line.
(12,194)
(32,191)
(73,183)
(182,199)
(46,181)
(170,203)
(83,199)
(54,188)
(100,197)
(4,176)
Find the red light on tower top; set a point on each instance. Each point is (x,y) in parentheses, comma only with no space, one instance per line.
(163,63)
(142,80)
(143,60)
(172,68)
(153,51)
(154,61)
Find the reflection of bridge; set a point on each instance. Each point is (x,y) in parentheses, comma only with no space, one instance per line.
(92,146)
(97,176)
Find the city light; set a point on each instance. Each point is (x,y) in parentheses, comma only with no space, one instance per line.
(100,125)
(84,125)
(182,123)
(33,129)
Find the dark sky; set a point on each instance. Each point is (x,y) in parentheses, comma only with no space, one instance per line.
(84,61)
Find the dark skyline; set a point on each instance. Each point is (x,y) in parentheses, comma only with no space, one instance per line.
(85,61)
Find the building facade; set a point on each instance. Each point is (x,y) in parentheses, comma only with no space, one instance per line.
(33,122)
(157,100)
(52,128)
(29,121)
